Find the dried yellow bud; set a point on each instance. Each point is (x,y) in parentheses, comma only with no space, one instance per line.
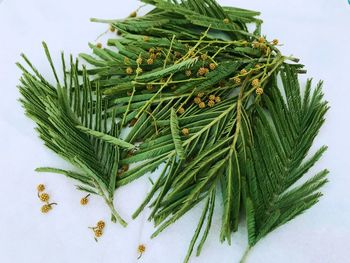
(185,131)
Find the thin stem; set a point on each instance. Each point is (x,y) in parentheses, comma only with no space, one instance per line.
(245,255)
(115,213)
(109,202)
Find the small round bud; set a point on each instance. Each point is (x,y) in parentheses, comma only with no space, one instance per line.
(275,42)
(226,21)
(211,103)
(200,94)
(255,82)
(139,60)
(204,56)
(261,40)
(98,232)
(119,33)
(139,71)
(181,110)
(201,105)
(129,70)
(111,28)
(212,97)
(237,80)
(101,224)
(185,131)
(45,209)
(243,72)
(40,187)
(126,60)
(259,91)
(44,197)
(133,14)
(84,201)
(217,99)
(151,50)
(150,61)
(197,100)
(99,45)
(212,66)
(146,38)
(188,73)
(141,249)
(202,71)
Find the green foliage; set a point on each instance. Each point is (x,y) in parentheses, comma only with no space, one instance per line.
(283,134)
(247,140)
(65,116)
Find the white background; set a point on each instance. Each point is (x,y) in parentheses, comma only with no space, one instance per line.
(317,31)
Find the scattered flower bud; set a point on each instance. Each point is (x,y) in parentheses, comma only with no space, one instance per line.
(84,200)
(259,91)
(217,99)
(212,66)
(255,82)
(204,56)
(99,45)
(133,14)
(243,72)
(261,39)
(197,100)
(139,61)
(201,105)
(226,21)
(200,94)
(45,209)
(237,80)
(181,110)
(141,249)
(101,224)
(150,61)
(185,131)
(188,73)
(139,71)
(119,33)
(129,70)
(40,188)
(44,197)
(275,42)
(212,97)
(202,71)
(126,60)
(146,38)
(211,103)
(98,232)
(111,28)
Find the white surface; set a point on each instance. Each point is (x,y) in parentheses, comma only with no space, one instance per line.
(317,31)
